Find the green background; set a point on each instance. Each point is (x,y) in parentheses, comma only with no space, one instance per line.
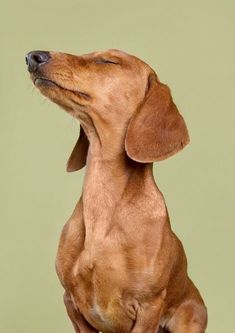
(190,45)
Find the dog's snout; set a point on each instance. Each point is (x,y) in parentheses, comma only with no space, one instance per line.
(36,58)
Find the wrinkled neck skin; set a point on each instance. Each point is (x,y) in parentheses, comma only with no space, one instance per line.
(110,175)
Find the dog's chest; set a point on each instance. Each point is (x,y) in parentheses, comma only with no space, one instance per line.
(100,276)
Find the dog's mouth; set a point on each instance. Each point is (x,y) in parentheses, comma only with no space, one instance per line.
(41,81)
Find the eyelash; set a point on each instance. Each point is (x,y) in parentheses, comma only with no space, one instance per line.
(103,61)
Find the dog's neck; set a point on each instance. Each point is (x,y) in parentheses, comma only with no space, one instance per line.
(110,176)
(105,185)
(108,168)
(110,185)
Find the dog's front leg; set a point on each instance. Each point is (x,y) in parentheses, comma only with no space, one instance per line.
(79,322)
(148,317)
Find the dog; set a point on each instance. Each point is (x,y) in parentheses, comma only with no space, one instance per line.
(122,267)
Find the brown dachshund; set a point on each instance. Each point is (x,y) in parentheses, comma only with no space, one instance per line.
(122,267)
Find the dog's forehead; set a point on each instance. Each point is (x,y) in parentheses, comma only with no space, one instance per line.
(110,52)
(113,53)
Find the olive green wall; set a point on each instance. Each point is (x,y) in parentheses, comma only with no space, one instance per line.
(190,44)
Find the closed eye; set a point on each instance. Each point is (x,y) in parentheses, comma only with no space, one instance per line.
(106,61)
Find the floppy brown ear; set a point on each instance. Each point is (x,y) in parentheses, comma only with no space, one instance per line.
(77,159)
(157,130)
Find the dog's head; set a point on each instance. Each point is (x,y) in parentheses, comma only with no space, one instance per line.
(116,97)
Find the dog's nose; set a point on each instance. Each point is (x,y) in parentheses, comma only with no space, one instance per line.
(36,58)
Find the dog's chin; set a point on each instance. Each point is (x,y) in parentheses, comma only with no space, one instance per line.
(53,93)
(47,88)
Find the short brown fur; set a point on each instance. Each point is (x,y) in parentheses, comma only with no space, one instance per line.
(122,267)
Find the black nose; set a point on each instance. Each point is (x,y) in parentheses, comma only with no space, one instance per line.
(36,58)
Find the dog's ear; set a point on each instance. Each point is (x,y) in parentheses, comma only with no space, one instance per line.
(77,159)
(157,130)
